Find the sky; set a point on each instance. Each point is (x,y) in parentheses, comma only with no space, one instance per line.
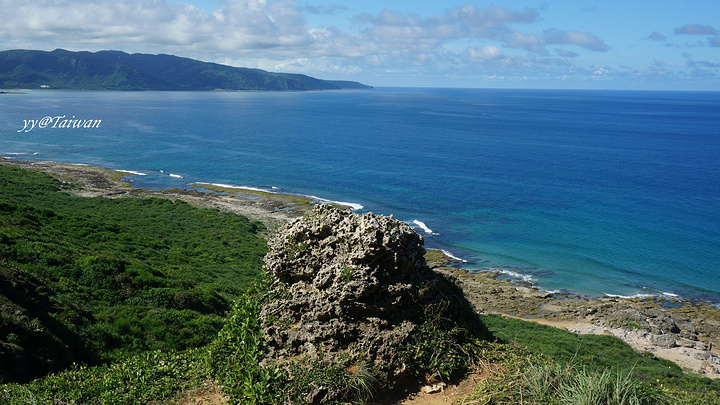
(578,44)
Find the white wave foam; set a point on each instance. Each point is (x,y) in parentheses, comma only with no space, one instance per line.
(452,256)
(132,172)
(175,176)
(423,226)
(667,294)
(353,206)
(236,187)
(629,296)
(514,274)
(16,153)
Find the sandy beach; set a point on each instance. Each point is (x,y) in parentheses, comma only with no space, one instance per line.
(687,333)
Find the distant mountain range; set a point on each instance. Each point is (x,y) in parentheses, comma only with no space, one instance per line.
(116,70)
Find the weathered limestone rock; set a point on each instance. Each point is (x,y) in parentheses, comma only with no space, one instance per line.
(348,285)
(666,341)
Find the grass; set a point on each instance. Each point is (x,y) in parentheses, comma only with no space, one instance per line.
(88,280)
(595,357)
(573,385)
(140,379)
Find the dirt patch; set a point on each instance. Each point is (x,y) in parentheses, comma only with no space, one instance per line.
(448,394)
(207,394)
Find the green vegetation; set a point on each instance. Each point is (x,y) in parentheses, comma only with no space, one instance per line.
(92,279)
(441,350)
(514,381)
(235,362)
(605,364)
(533,364)
(115,70)
(236,353)
(139,379)
(136,292)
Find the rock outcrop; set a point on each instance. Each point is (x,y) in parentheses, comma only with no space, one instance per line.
(348,288)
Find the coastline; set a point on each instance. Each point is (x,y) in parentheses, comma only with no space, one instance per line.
(682,331)
(271,209)
(685,332)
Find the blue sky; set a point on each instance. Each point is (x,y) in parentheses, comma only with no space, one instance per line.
(630,44)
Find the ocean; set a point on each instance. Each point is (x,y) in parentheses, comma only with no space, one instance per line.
(591,192)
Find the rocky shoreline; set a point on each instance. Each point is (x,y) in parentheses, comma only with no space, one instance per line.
(685,332)
(272,210)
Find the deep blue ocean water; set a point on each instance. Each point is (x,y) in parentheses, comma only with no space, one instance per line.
(593,192)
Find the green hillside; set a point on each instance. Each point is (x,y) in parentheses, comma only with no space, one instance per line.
(92,279)
(115,70)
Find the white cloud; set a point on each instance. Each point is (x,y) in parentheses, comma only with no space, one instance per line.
(412,32)
(240,25)
(484,53)
(565,53)
(702,63)
(274,35)
(696,29)
(276,29)
(586,40)
(656,36)
(331,9)
(479,20)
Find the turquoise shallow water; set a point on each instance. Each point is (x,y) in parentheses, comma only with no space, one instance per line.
(588,191)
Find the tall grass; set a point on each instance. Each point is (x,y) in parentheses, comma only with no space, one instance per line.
(583,387)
